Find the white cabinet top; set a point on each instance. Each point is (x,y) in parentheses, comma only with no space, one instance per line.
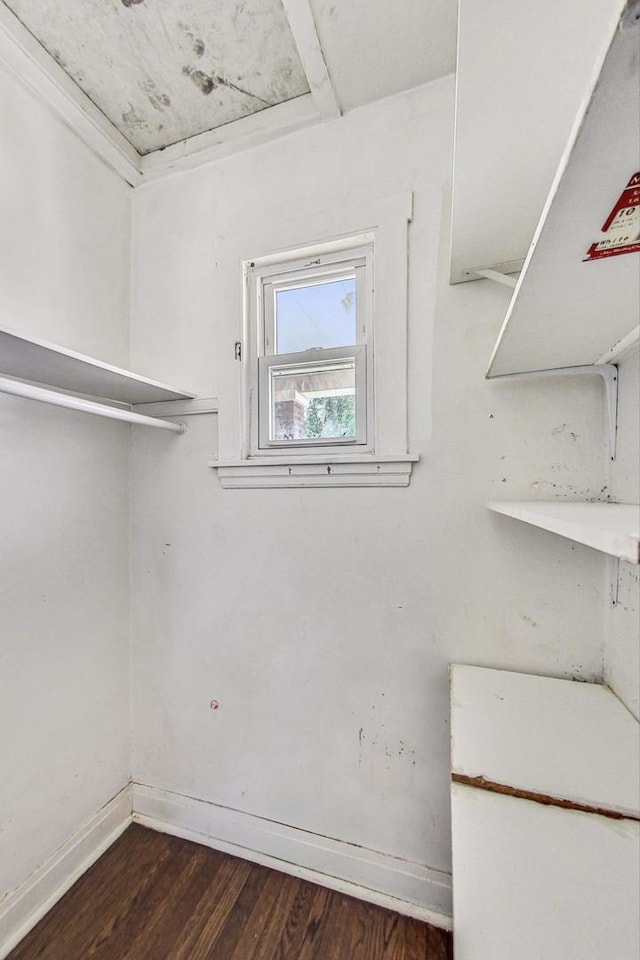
(26,358)
(558,738)
(613,528)
(567,309)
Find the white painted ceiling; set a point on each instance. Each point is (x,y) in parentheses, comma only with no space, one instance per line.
(163,71)
(375,48)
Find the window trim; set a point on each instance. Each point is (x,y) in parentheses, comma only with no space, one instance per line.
(387,219)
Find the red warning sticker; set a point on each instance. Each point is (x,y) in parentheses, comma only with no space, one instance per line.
(622,226)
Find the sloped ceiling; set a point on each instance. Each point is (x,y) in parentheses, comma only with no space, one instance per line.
(375,48)
(165,71)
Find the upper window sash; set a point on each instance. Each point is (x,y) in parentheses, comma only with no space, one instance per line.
(270,286)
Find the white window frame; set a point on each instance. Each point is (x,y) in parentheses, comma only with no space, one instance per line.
(385,461)
(264,278)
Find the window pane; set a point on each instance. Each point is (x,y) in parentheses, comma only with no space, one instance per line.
(314,402)
(316,315)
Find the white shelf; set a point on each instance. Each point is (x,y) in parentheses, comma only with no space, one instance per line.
(613,528)
(554,738)
(37,361)
(567,311)
(512,67)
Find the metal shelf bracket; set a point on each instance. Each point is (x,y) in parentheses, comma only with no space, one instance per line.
(504,278)
(609,374)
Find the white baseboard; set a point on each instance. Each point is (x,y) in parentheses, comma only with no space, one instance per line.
(28,903)
(409,888)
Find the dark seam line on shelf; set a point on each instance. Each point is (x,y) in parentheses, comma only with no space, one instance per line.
(542,798)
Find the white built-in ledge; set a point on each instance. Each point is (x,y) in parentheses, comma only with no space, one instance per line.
(613,528)
(547,737)
(342,470)
(37,361)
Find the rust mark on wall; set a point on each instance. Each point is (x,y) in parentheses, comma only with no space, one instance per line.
(545,799)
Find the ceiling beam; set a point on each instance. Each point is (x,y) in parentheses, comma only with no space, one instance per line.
(37,70)
(303,28)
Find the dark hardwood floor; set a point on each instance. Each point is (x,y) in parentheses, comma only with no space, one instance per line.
(155,897)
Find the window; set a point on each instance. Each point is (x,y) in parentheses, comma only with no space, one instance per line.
(307,406)
(312,318)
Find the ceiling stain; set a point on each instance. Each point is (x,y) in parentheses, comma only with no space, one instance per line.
(203,82)
(220,81)
(199,45)
(159,101)
(132,120)
(241,54)
(207,84)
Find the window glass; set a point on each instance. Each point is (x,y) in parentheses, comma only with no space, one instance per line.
(315,315)
(316,401)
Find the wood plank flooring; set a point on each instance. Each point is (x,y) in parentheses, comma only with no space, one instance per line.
(156,897)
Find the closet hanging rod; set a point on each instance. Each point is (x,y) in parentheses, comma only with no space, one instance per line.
(31,392)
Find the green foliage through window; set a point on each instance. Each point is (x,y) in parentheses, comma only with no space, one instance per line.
(331,417)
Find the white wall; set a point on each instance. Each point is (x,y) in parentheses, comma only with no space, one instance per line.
(64,271)
(622,650)
(323,620)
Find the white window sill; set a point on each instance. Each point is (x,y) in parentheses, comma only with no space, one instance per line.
(316,470)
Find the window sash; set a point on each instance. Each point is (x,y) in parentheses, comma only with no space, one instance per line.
(305,277)
(307,360)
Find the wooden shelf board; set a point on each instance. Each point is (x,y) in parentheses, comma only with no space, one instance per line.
(613,528)
(565,311)
(559,738)
(26,358)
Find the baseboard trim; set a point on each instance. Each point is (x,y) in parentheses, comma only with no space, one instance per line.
(409,888)
(27,904)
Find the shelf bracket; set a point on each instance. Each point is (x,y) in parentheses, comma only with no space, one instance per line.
(609,374)
(504,278)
